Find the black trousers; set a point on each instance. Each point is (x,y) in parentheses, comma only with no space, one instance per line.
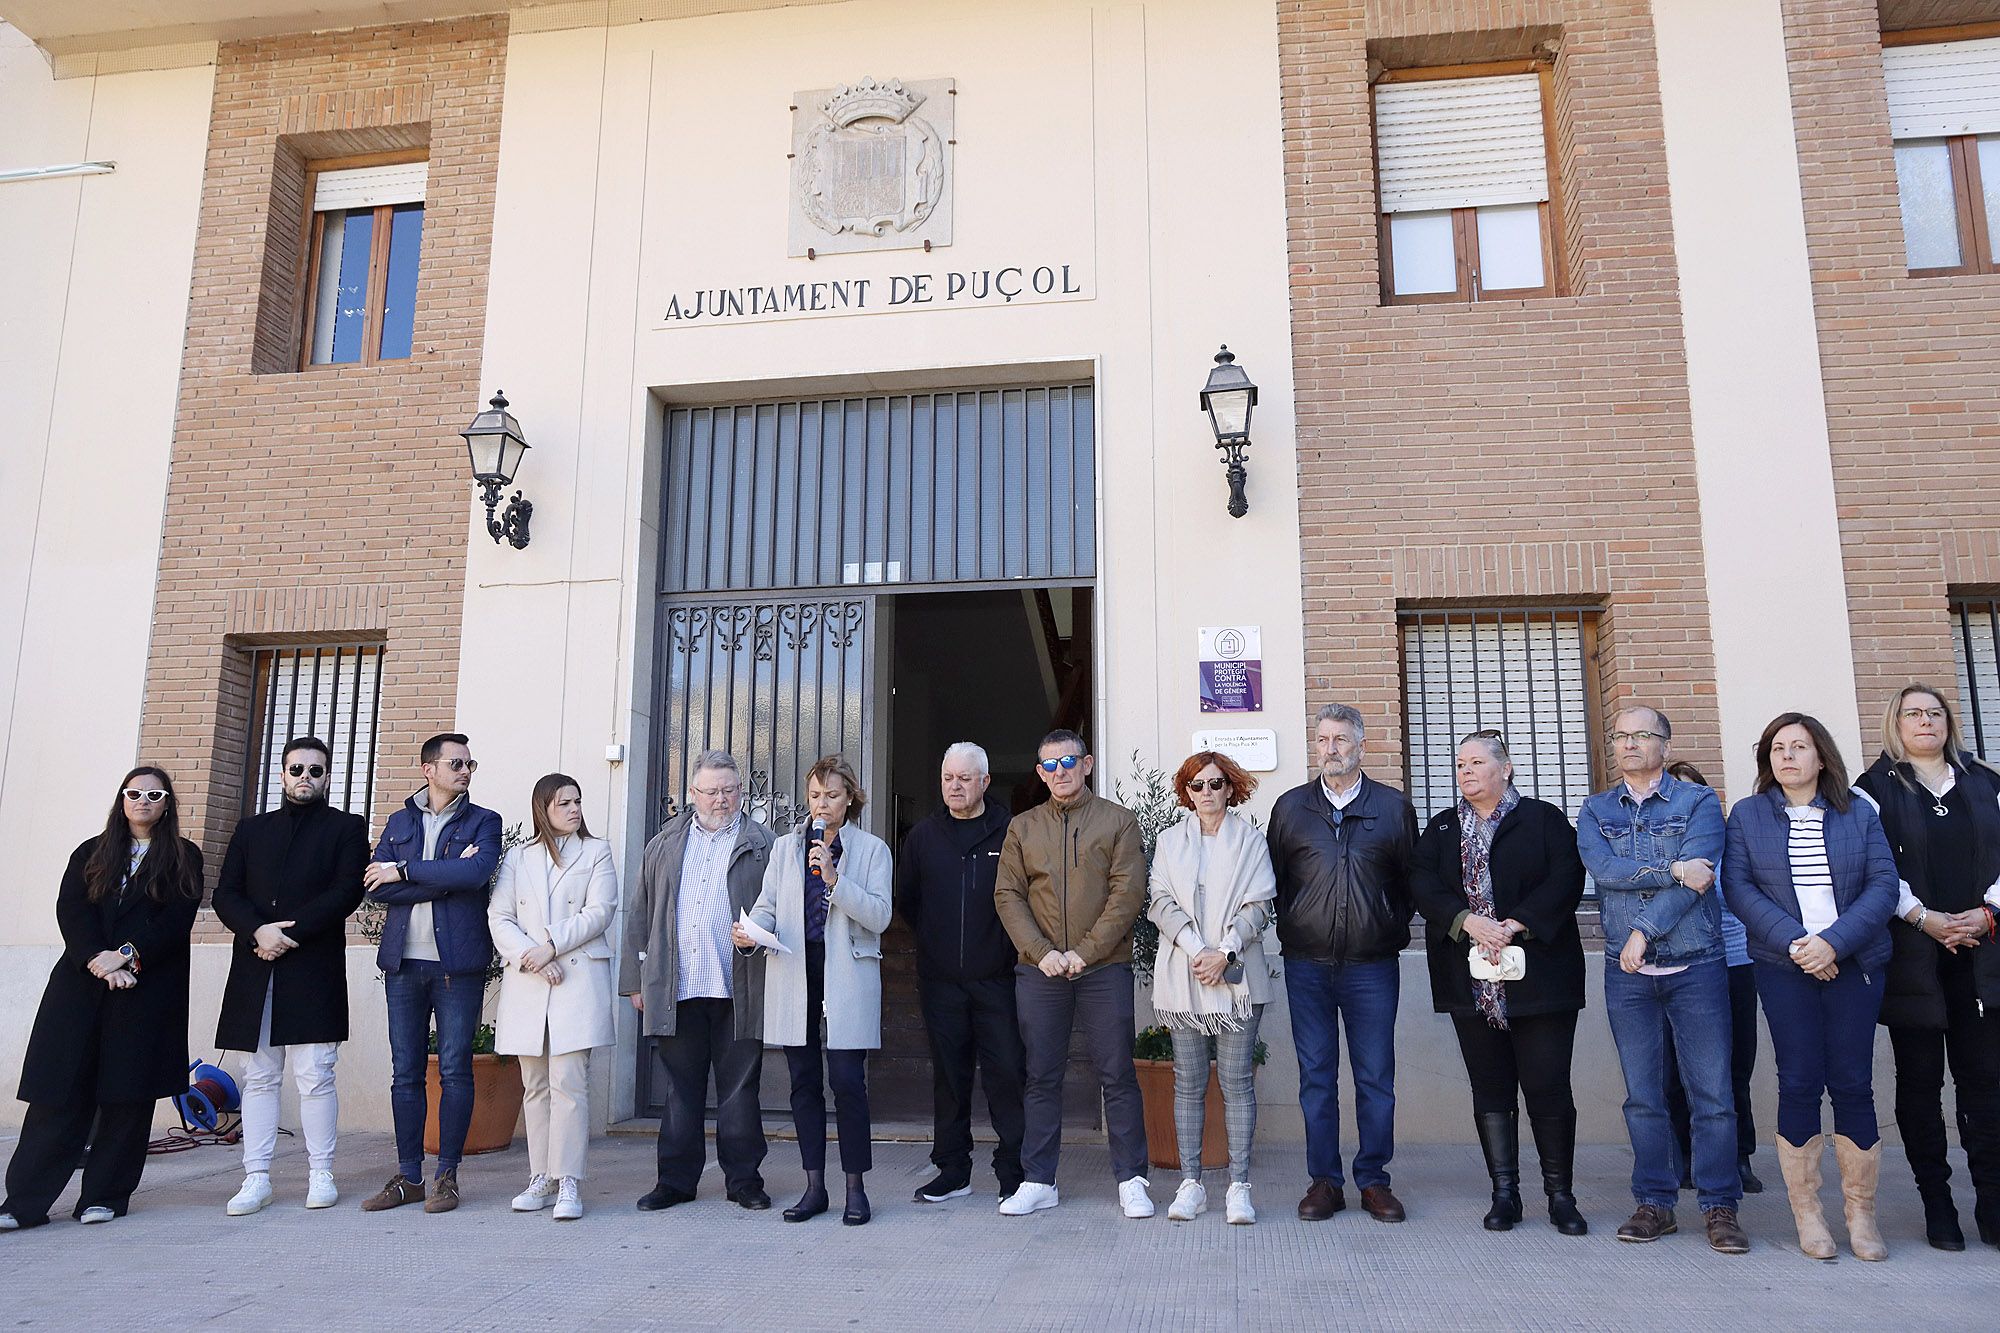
(1527,1062)
(1742,1063)
(846,1070)
(52,1138)
(973,1024)
(1970,1045)
(705,1039)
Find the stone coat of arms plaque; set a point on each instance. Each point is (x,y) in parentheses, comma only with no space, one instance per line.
(872,166)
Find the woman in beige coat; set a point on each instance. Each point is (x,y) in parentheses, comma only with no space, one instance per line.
(1212,889)
(550,911)
(827,897)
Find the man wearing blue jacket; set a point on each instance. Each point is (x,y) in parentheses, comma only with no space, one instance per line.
(1652,843)
(433,870)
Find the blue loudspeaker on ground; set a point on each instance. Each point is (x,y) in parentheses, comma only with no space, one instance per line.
(211,1095)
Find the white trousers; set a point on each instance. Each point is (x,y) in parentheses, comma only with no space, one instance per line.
(555,1102)
(319,1103)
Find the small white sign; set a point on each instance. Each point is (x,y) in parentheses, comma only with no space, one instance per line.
(1231,643)
(1257,751)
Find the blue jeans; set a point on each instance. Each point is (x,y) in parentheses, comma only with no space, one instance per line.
(1658,1022)
(1363,996)
(416,991)
(1823,1039)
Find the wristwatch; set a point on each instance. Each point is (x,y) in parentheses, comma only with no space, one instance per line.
(403,871)
(130,955)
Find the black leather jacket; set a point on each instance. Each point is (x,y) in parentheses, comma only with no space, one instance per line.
(1343,875)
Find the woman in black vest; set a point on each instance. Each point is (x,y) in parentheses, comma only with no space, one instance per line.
(1941,809)
(1497,871)
(110,1038)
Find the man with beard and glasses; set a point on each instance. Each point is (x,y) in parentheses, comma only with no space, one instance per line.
(1340,845)
(289,882)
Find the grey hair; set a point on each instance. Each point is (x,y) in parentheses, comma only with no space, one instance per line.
(1495,744)
(1346,715)
(720,761)
(968,750)
(1660,723)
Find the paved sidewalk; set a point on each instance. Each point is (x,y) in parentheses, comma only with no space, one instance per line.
(177,1261)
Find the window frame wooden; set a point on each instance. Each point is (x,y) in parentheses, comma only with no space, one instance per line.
(312,236)
(1465,221)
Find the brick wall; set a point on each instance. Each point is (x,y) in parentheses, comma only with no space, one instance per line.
(1911,365)
(1502,450)
(330,503)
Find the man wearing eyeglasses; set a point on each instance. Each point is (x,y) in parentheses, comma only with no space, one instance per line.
(289,882)
(1652,843)
(433,870)
(700,998)
(1072,880)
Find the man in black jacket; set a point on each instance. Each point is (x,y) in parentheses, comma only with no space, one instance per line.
(1340,845)
(289,882)
(965,974)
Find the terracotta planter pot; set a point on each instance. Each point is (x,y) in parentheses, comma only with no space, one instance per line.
(496,1104)
(1156,1089)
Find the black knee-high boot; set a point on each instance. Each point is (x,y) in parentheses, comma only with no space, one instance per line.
(1500,1140)
(1555,1144)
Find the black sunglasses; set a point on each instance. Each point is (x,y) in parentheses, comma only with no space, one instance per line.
(300,770)
(1212,784)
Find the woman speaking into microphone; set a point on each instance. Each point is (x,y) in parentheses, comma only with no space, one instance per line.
(827,898)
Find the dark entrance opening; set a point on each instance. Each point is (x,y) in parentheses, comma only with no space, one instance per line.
(1000,668)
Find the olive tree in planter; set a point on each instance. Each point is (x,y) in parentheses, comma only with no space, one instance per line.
(1152,801)
(496,1079)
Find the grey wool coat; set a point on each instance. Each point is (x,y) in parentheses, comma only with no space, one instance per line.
(649,960)
(862,904)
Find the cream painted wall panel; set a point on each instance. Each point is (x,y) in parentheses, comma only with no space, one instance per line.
(99,442)
(1777,596)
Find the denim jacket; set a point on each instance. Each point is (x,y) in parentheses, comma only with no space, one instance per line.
(1630,847)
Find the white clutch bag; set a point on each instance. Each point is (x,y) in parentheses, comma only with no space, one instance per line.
(1513,964)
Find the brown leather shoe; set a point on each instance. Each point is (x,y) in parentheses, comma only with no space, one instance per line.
(1650,1222)
(444,1195)
(1322,1201)
(1725,1234)
(399,1191)
(1381,1204)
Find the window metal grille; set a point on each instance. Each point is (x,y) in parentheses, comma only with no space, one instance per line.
(332,691)
(1975,642)
(1528,672)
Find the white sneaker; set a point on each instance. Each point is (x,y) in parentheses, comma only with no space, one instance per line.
(9,1222)
(1134,1199)
(96,1213)
(256,1192)
(320,1190)
(1240,1213)
(569,1200)
(1190,1202)
(541,1192)
(1029,1198)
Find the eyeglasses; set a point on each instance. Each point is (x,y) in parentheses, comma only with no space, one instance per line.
(1212,784)
(1620,737)
(1923,715)
(153,797)
(300,770)
(461,765)
(713,793)
(1061,761)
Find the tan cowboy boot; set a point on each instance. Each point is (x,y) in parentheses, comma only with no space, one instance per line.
(1859,1171)
(1801,1168)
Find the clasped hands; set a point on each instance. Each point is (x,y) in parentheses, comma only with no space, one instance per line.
(113,969)
(1957,930)
(1492,936)
(1815,957)
(541,961)
(1062,965)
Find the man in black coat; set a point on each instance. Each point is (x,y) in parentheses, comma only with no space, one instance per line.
(290,880)
(965,974)
(1340,845)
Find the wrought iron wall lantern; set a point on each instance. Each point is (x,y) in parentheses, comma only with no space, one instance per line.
(1228,398)
(495,444)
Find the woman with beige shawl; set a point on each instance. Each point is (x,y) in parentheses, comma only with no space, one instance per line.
(1212,889)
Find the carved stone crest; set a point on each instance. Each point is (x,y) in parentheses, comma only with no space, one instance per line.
(872,166)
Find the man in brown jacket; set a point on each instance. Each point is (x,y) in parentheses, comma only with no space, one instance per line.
(1072,880)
